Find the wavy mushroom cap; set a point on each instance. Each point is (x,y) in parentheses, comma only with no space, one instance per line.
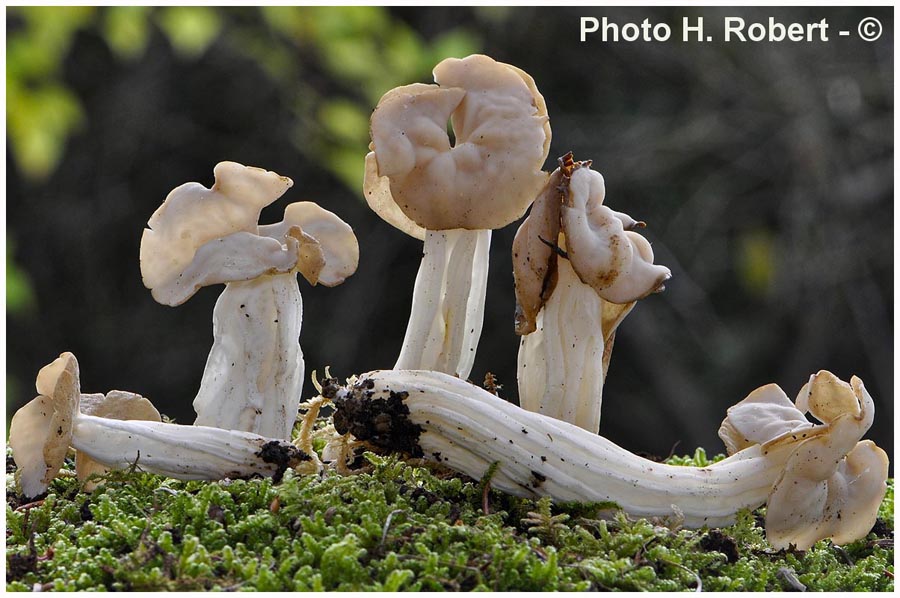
(192,217)
(833,483)
(618,264)
(41,431)
(329,251)
(487,178)
(767,413)
(116,404)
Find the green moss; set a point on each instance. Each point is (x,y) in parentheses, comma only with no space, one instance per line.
(399,527)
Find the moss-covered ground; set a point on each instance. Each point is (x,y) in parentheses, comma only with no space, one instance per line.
(398,527)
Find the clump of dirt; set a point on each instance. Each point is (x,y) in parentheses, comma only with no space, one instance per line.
(881,529)
(716,541)
(19,564)
(382,422)
(282,455)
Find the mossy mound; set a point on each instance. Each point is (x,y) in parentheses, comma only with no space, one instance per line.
(398,527)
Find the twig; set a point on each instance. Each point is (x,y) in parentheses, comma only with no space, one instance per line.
(485,484)
(696,575)
(30,505)
(387,524)
(790,579)
(840,550)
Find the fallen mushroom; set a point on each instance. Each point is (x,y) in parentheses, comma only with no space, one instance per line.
(441,418)
(42,431)
(116,404)
(254,373)
(453,195)
(578,273)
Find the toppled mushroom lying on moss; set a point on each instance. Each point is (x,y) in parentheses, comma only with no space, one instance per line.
(841,480)
(42,431)
(579,269)
(254,373)
(452,195)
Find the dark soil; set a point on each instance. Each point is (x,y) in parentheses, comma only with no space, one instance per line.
(716,541)
(283,455)
(383,422)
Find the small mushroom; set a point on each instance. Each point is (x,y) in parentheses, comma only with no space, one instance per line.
(466,428)
(452,194)
(569,302)
(254,373)
(832,483)
(42,431)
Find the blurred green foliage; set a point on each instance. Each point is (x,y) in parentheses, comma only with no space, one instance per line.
(126,30)
(40,112)
(363,49)
(19,293)
(757,257)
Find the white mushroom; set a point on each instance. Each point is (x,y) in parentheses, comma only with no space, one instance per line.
(466,428)
(451,195)
(569,302)
(254,373)
(42,431)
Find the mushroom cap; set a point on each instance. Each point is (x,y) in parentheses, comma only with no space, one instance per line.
(41,431)
(766,414)
(534,260)
(485,180)
(329,251)
(116,404)
(804,507)
(832,483)
(617,263)
(193,216)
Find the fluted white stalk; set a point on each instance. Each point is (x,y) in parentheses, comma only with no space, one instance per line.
(178,451)
(562,364)
(468,429)
(254,373)
(448,303)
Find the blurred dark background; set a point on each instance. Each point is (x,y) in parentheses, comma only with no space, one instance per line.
(764,171)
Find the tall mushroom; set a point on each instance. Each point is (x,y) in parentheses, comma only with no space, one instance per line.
(254,373)
(452,194)
(819,480)
(579,269)
(42,431)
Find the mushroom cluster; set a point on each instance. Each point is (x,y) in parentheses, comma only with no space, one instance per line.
(579,268)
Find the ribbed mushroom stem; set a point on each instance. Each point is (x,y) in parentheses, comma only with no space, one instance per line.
(448,303)
(183,452)
(254,373)
(468,429)
(559,365)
